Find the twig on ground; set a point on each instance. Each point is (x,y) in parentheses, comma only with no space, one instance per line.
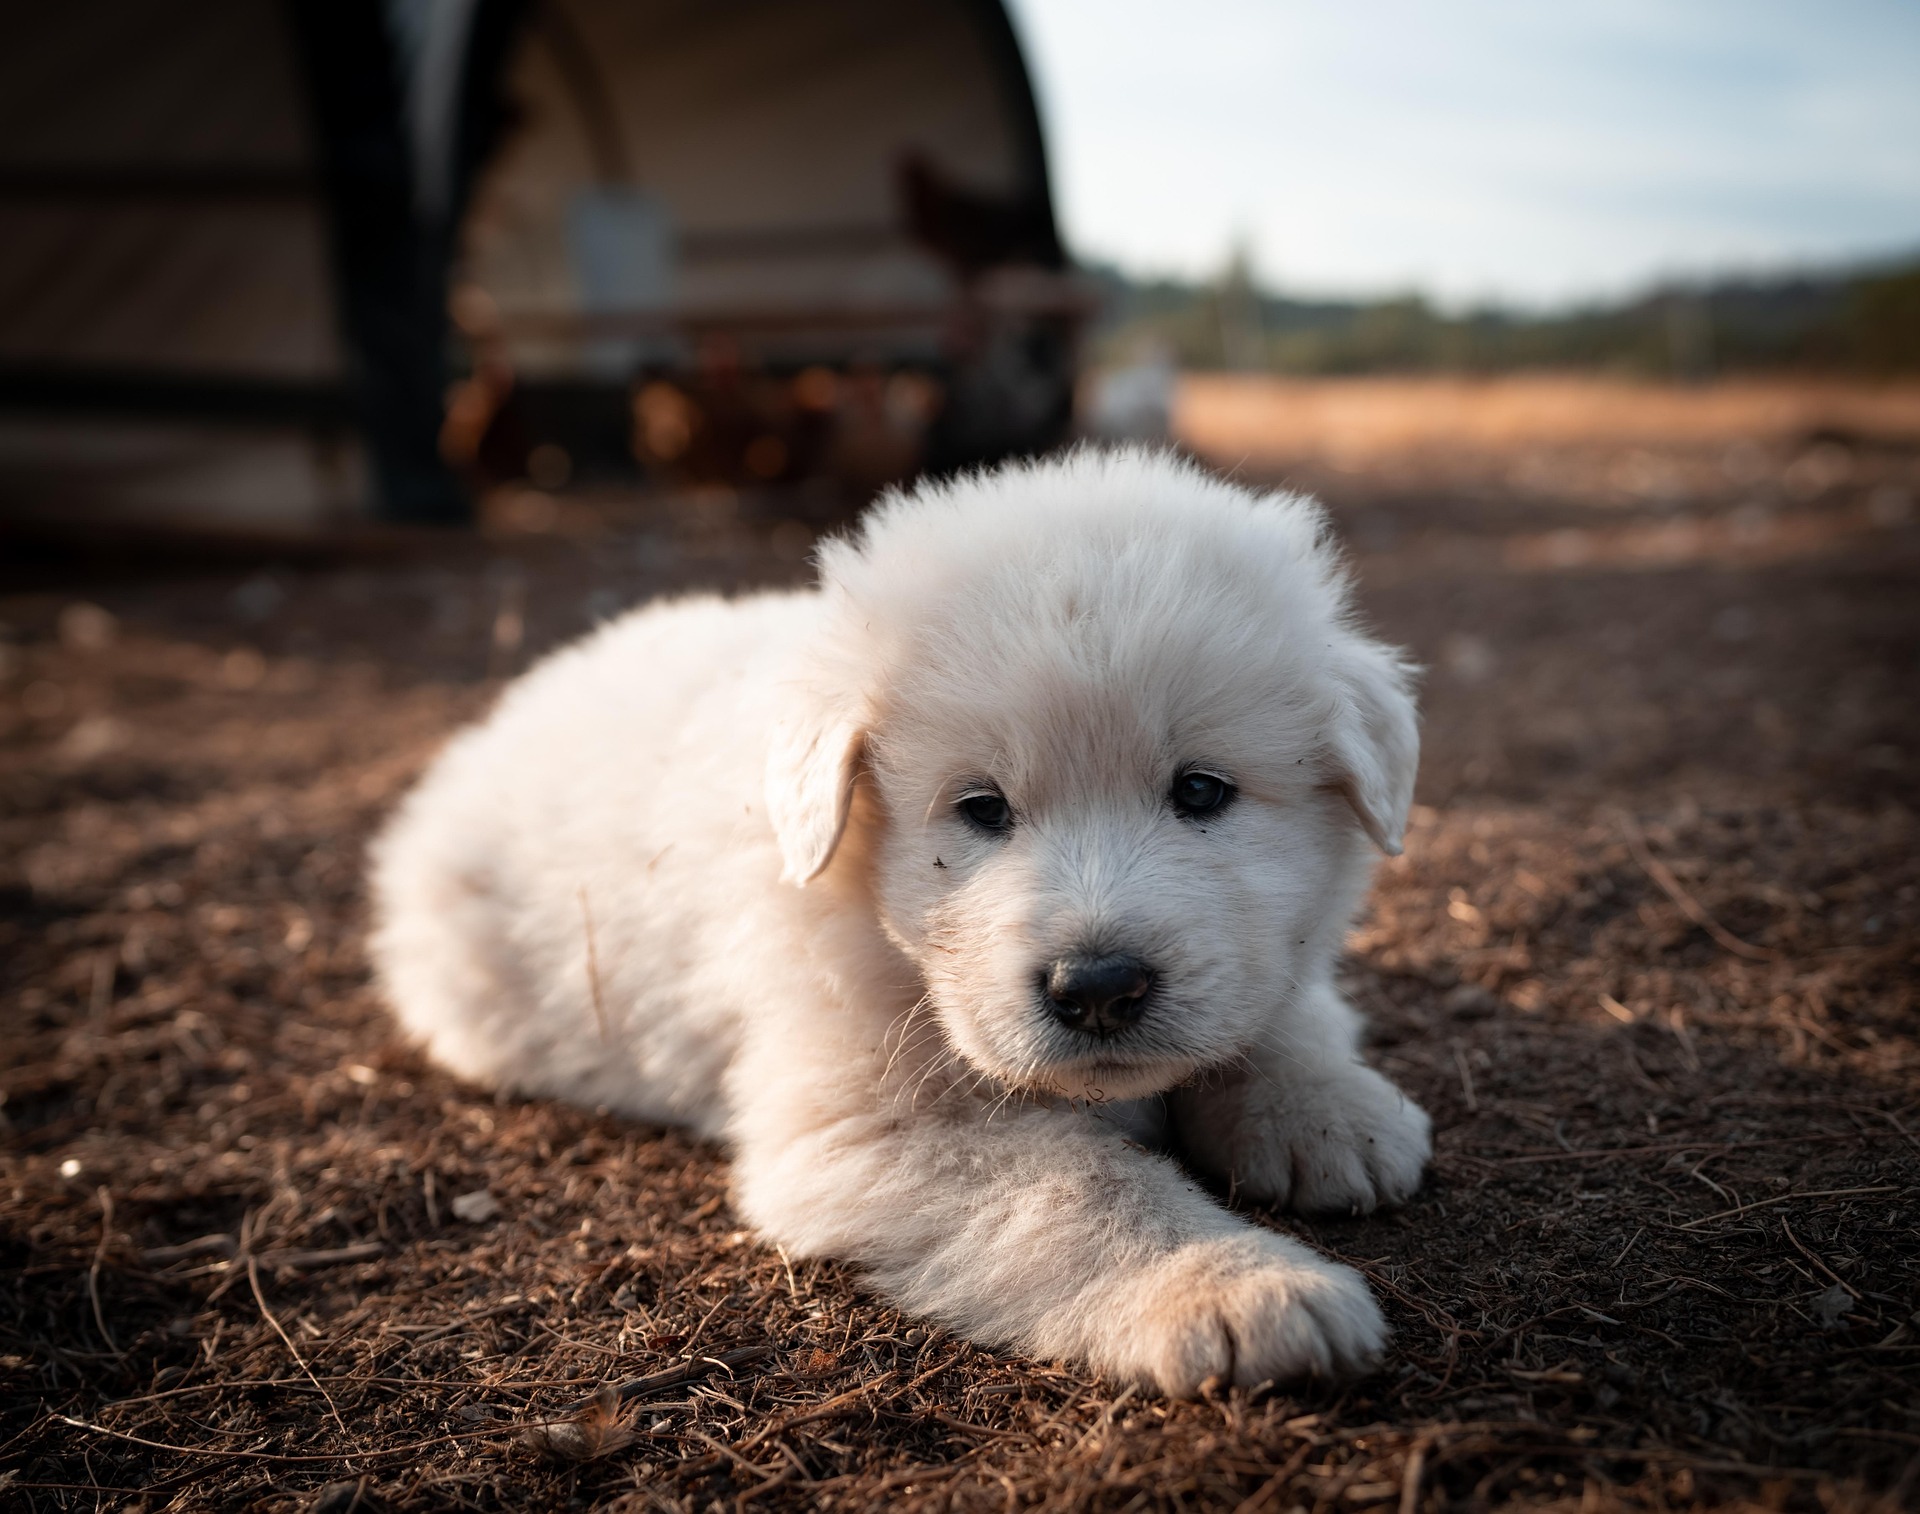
(260,1298)
(1718,1148)
(1466,1077)
(1787,1230)
(383,1453)
(836,1407)
(1289,1468)
(1410,1479)
(93,1273)
(1818,1193)
(363,1251)
(678,1376)
(228,1249)
(205,1245)
(1627,1248)
(1689,906)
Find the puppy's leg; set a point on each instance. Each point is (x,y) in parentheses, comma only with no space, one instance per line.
(1304,1122)
(1042,1229)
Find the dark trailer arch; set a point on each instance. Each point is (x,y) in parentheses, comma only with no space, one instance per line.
(756,238)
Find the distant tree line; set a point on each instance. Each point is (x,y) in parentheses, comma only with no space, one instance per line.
(1857,321)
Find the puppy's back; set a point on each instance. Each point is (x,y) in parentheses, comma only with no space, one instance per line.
(546,899)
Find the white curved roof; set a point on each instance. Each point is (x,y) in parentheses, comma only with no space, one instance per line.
(751,148)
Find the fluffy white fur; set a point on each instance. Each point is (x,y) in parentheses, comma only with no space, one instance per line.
(800,946)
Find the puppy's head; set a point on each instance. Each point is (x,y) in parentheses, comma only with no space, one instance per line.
(1123,753)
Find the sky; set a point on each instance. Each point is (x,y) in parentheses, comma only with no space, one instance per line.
(1522,152)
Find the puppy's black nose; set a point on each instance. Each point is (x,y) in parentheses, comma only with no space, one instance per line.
(1098,994)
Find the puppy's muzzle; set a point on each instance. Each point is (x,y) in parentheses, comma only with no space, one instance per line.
(1098,995)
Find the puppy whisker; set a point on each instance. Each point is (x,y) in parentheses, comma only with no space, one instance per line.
(902,1034)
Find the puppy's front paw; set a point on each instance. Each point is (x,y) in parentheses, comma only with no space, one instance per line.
(1345,1144)
(1249,1310)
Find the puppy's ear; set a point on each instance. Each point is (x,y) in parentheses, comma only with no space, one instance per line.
(811,769)
(1375,740)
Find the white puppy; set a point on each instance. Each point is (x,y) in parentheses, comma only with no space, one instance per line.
(1055,796)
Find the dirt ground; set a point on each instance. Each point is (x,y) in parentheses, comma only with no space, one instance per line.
(1649,959)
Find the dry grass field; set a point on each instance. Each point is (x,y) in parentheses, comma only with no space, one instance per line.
(1649,959)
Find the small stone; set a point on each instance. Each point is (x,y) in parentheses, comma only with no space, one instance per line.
(476,1207)
(345,1498)
(1470,1002)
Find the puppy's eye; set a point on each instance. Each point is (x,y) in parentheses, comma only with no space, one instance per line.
(1197,794)
(987,811)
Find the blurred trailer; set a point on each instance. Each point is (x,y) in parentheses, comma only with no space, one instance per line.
(274,267)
